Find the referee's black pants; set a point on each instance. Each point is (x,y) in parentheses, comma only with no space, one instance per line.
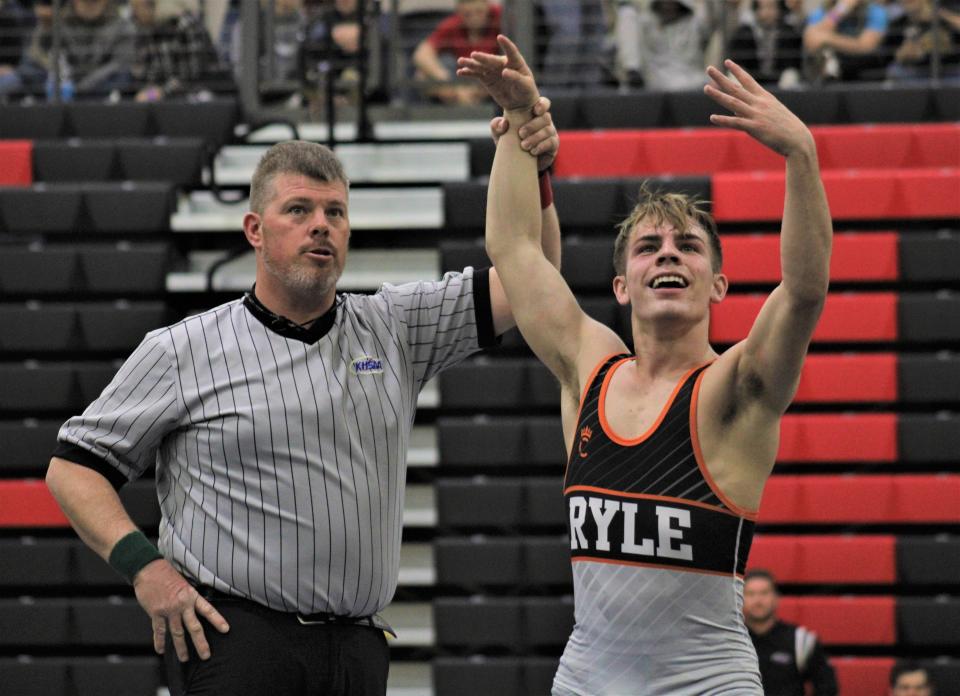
(271,652)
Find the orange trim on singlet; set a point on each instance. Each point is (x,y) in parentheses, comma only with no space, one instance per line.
(701,463)
(583,397)
(659,566)
(602,410)
(645,496)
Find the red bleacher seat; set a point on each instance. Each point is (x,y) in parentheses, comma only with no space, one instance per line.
(17,158)
(854,194)
(865,378)
(862,676)
(838,437)
(856,257)
(609,153)
(28,503)
(865,499)
(844,620)
(852,317)
(861,559)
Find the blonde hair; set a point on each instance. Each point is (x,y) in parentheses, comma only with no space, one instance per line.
(677,210)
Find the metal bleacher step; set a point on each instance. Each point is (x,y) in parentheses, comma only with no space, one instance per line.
(380,163)
(419,207)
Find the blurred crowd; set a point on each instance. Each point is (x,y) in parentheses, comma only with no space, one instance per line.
(154,49)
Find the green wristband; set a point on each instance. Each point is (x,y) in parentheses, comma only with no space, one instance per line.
(132,553)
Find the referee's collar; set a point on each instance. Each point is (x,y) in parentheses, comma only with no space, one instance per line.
(308,333)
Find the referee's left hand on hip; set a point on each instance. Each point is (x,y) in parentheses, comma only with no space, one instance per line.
(174,604)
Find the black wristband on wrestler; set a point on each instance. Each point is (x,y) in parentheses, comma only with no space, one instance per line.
(132,553)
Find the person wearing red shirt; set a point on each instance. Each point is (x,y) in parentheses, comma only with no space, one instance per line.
(473,27)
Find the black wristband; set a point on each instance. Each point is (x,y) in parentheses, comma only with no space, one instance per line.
(132,553)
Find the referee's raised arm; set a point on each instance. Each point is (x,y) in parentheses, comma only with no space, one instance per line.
(94,509)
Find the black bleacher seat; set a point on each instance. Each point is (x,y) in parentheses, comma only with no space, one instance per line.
(33,121)
(39,622)
(504,503)
(103,120)
(946,99)
(611,110)
(132,207)
(118,326)
(873,103)
(40,209)
(690,109)
(928,438)
(480,502)
(457,253)
(39,327)
(596,203)
(928,378)
(812,106)
(480,676)
(130,269)
(81,676)
(479,561)
(485,383)
(213,121)
(73,160)
(36,269)
(587,263)
(32,562)
(564,109)
(548,621)
(478,622)
(140,501)
(464,205)
(482,151)
(30,387)
(175,160)
(926,621)
(92,377)
(476,562)
(111,621)
(534,441)
(926,560)
(921,317)
(932,256)
(26,445)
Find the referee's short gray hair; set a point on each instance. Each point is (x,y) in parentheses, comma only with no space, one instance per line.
(293,157)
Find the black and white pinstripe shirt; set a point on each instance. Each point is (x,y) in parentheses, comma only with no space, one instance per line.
(280,452)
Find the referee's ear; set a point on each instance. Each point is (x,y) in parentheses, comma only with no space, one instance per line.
(252,229)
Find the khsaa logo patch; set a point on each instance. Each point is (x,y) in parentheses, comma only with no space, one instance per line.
(366,365)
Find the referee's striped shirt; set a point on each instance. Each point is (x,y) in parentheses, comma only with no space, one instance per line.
(280,452)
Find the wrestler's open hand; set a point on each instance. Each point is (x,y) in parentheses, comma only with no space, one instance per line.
(538,136)
(756,111)
(507,78)
(173,604)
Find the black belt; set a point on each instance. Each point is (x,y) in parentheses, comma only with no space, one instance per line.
(315,619)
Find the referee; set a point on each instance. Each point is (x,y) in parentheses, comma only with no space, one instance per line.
(278,425)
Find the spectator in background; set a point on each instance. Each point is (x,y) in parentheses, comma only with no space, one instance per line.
(283,49)
(910,42)
(334,44)
(843,39)
(473,27)
(573,53)
(96,53)
(789,656)
(14,29)
(174,55)
(767,47)
(908,678)
(663,47)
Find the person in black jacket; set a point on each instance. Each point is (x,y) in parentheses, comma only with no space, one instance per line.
(768,47)
(789,655)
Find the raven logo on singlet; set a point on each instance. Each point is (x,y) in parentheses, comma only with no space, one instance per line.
(585,435)
(594,521)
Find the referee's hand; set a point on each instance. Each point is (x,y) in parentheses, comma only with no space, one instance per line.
(173,604)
